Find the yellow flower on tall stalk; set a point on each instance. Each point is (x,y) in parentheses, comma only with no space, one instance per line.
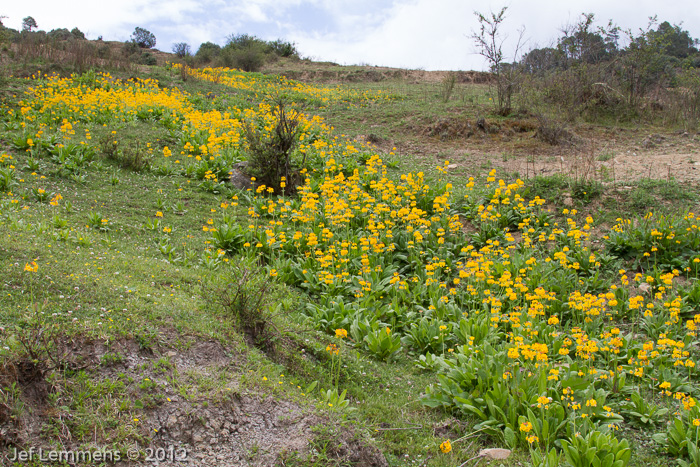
(543,401)
(446,446)
(341,333)
(33,267)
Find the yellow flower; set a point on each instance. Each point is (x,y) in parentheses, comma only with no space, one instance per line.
(31,267)
(525,427)
(159,214)
(341,333)
(446,446)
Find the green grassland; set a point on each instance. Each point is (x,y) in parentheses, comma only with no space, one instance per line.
(138,311)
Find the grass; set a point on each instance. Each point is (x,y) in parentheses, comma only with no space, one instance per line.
(116,284)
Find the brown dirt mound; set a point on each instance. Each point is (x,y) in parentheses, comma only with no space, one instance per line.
(223,426)
(450,128)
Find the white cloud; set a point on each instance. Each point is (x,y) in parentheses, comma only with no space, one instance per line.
(430,34)
(418,34)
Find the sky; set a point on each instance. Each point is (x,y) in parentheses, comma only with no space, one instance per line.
(415,34)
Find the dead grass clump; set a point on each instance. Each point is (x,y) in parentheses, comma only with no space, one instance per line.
(554,132)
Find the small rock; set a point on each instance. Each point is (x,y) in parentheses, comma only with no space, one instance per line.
(171,353)
(568,202)
(239,177)
(495,453)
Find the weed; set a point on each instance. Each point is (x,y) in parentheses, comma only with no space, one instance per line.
(130,158)
(448,86)
(245,293)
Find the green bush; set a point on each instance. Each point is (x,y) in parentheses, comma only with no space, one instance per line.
(148,59)
(248,58)
(77,34)
(61,34)
(130,48)
(284,48)
(207,52)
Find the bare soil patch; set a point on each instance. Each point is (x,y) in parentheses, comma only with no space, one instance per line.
(514,147)
(225,426)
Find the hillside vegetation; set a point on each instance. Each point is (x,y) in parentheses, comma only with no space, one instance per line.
(409,277)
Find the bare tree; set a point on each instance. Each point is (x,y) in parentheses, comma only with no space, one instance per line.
(489,44)
(182,49)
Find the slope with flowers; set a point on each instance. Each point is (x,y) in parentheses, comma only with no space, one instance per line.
(535,328)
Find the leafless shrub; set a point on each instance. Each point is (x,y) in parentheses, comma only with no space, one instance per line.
(554,132)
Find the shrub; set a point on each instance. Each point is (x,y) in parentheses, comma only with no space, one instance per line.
(131,158)
(148,59)
(553,132)
(245,295)
(104,51)
(207,52)
(270,154)
(77,34)
(130,48)
(244,41)
(3,31)
(143,38)
(249,58)
(61,34)
(284,48)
